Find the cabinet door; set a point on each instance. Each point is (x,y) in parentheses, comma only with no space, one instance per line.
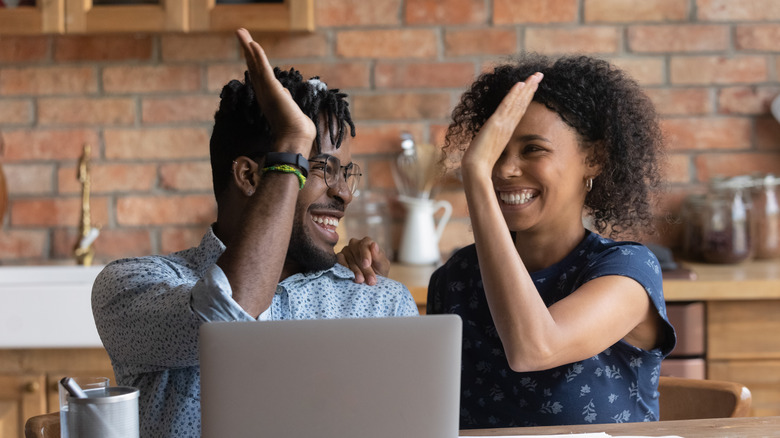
(126,16)
(21,397)
(743,329)
(762,378)
(287,15)
(47,16)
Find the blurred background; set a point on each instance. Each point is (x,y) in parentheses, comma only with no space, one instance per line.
(145,102)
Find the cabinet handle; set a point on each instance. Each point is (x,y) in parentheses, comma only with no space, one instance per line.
(32,387)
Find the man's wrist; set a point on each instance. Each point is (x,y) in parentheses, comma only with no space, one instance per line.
(287,158)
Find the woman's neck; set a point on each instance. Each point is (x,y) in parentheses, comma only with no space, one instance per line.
(541,250)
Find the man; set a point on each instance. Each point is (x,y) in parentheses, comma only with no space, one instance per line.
(283,177)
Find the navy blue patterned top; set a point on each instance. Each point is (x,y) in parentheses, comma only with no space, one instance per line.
(618,385)
(148,311)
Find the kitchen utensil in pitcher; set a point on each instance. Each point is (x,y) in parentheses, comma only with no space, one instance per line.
(420,241)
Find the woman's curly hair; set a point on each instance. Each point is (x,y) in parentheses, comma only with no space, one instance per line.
(616,123)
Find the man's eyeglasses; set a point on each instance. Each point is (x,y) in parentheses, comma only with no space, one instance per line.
(332,171)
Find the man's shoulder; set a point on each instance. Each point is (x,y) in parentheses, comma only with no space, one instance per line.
(343,274)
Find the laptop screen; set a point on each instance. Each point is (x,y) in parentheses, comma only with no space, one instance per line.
(346,378)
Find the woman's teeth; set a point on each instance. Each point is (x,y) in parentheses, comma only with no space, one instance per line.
(515,198)
(326,220)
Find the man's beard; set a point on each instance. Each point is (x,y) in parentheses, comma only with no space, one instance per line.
(305,253)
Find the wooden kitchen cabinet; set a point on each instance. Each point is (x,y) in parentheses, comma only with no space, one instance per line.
(84,16)
(741,325)
(28,381)
(22,395)
(47,16)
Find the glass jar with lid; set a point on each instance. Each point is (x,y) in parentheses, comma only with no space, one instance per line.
(726,221)
(691,214)
(766,216)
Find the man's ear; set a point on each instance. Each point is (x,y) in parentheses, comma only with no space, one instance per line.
(246,175)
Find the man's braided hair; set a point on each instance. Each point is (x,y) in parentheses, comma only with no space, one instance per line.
(240,128)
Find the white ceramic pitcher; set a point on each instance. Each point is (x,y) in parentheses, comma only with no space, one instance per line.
(420,241)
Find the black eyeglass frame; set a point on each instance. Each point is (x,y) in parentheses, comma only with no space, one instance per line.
(320,162)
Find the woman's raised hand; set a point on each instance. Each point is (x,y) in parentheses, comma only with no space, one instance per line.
(293,130)
(489,143)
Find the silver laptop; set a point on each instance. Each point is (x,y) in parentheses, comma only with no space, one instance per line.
(345,378)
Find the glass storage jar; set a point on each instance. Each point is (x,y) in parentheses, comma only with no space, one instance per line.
(691,214)
(726,223)
(766,216)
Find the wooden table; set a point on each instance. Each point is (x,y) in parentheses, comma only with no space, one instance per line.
(717,427)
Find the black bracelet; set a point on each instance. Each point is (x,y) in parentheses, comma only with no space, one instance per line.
(297,160)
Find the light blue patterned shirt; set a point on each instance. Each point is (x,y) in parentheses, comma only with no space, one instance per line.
(148,311)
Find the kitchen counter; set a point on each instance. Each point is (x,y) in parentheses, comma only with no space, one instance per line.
(47,307)
(752,280)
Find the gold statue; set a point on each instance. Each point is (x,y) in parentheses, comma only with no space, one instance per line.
(84,251)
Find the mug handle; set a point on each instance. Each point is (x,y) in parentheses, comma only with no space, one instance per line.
(444,218)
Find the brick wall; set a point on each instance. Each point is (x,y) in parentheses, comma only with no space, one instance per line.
(145,103)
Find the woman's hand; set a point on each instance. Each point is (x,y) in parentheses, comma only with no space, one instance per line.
(489,143)
(294,131)
(366,259)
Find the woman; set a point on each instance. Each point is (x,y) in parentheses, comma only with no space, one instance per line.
(560,325)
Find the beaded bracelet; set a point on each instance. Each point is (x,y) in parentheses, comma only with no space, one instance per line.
(286,168)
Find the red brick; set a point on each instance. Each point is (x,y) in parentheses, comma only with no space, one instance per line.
(587,40)
(678,38)
(737,10)
(187,176)
(109,178)
(44,144)
(110,244)
(190,108)
(339,13)
(445,12)
(379,175)
(52,212)
(165,210)
(15,111)
(710,165)
(199,47)
(707,134)
(164,143)
(29,179)
(48,80)
(150,79)
(293,45)
(23,48)
(217,75)
(487,41)
(757,37)
(767,134)
(393,43)
(681,101)
(424,75)
(707,70)
(746,100)
(406,106)
(86,111)
(677,168)
(646,70)
(626,11)
(383,138)
(179,238)
(534,11)
(135,47)
(343,75)
(22,244)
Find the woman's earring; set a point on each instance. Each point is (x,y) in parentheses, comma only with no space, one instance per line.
(589,184)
